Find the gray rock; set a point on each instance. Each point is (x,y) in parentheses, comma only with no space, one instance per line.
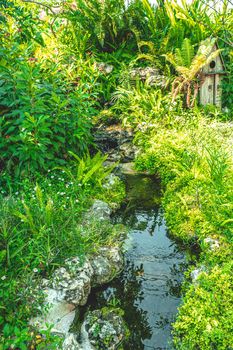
(106,265)
(115,157)
(115,141)
(150,75)
(196,273)
(73,281)
(128,150)
(70,287)
(103,67)
(71,343)
(105,328)
(100,210)
(60,314)
(212,243)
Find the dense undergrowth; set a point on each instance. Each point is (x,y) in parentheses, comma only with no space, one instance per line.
(194,160)
(54,86)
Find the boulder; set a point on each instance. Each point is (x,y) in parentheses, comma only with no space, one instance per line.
(212,243)
(196,273)
(150,75)
(128,151)
(73,281)
(105,328)
(115,141)
(71,343)
(60,314)
(106,265)
(100,210)
(103,67)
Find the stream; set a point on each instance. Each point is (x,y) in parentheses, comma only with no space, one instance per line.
(149,287)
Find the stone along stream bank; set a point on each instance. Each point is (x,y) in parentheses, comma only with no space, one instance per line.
(148,289)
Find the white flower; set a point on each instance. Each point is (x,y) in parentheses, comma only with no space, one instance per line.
(35,270)
(52,177)
(50,185)
(3,278)
(79,184)
(49,171)
(76,200)
(16,193)
(67,197)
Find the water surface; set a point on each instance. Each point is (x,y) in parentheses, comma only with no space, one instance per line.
(148,289)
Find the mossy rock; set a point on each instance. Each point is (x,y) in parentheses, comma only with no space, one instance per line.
(106,328)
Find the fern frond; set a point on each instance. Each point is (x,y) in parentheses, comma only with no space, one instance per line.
(145,56)
(184,71)
(178,57)
(187,52)
(151,16)
(148,44)
(170,57)
(170,13)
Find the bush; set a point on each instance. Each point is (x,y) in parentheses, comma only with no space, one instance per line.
(43,116)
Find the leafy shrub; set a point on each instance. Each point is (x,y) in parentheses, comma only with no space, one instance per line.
(205,317)
(102,24)
(42,117)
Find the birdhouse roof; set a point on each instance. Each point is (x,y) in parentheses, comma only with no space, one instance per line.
(219,67)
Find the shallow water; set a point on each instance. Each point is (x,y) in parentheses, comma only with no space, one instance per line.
(148,290)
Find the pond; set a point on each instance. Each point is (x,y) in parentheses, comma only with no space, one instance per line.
(149,287)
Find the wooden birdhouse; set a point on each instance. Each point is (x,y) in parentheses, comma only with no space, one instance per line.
(211,76)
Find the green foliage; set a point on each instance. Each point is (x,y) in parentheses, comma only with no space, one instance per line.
(195,162)
(103,23)
(206,314)
(41,226)
(184,56)
(41,116)
(21,23)
(89,171)
(50,90)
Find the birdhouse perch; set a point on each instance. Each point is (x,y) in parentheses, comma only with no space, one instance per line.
(212,73)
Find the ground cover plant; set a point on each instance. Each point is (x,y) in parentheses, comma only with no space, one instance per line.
(65,66)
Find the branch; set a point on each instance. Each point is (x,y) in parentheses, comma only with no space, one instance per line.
(50,9)
(41,4)
(227,42)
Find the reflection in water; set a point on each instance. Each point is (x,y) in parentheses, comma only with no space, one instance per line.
(148,289)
